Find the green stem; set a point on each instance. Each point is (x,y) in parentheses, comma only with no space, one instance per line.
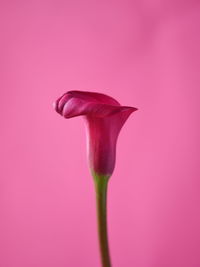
(101,183)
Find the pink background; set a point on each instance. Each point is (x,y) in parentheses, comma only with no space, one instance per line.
(143,53)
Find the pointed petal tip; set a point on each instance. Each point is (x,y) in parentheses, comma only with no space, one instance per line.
(131,109)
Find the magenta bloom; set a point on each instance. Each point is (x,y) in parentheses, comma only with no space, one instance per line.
(104,119)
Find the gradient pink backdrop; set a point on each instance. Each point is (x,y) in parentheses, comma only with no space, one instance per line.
(143,53)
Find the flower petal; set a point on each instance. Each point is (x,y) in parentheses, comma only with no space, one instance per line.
(92,96)
(75,103)
(76,107)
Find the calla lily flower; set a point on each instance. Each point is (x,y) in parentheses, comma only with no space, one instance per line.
(104,119)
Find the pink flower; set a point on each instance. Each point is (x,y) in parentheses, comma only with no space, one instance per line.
(104,119)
